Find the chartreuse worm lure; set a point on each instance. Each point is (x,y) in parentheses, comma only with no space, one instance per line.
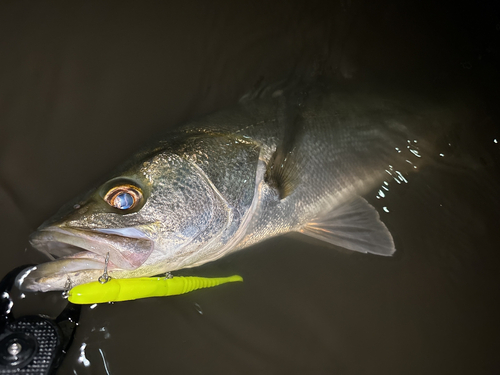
(116,290)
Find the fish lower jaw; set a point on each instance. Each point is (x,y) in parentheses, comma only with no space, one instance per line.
(64,273)
(62,282)
(61,274)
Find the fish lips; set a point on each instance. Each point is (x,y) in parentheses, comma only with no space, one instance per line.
(128,248)
(81,254)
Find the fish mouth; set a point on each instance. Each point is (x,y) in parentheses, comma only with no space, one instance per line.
(79,255)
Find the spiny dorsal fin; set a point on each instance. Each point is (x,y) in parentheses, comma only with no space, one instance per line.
(283,87)
(355,226)
(263,90)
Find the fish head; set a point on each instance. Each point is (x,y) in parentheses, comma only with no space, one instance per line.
(147,219)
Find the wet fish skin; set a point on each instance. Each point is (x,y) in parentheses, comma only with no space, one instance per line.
(218,185)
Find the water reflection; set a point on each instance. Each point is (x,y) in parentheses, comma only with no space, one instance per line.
(82,358)
(198,308)
(106,365)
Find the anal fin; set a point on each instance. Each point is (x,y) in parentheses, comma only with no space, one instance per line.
(355,226)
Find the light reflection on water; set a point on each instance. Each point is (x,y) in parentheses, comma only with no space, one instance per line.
(106,366)
(82,358)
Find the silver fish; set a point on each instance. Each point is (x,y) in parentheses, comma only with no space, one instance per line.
(281,161)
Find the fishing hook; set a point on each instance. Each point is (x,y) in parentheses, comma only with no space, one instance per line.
(104,278)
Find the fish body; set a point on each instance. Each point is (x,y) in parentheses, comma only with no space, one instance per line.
(281,161)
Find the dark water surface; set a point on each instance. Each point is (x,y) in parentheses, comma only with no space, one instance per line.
(83,84)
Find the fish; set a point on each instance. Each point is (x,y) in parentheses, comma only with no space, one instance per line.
(284,159)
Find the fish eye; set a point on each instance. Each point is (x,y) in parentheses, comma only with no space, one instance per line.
(123,197)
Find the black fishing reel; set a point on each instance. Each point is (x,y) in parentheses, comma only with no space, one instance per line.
(33,344)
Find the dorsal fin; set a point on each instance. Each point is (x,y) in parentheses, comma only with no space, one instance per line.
(290,87)
(263,90)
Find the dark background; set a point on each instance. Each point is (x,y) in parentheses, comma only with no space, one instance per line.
(84,83)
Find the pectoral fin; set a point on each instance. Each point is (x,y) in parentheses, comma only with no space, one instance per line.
(355,226)
(284,169)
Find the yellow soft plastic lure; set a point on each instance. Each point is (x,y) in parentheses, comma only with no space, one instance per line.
(129,289)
